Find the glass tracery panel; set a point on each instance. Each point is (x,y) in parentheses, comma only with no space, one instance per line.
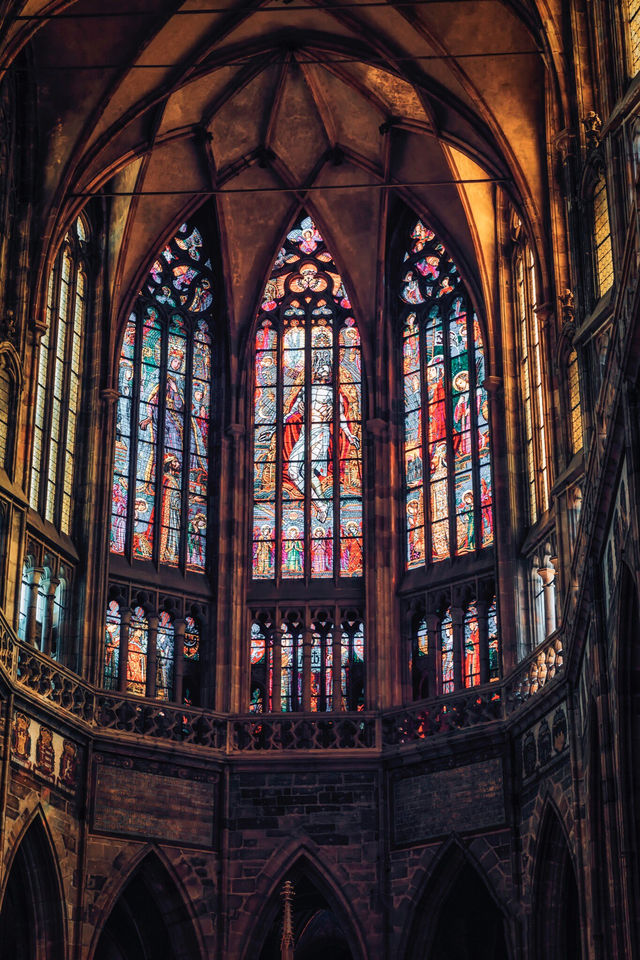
(137,652)
(161,464)
(307,510)
(446,652)
(165,657)
(112,646)
(634,34)
(494,641)
(447,451)
(471,663)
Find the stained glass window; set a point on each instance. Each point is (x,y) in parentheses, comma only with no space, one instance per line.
(161,465)
(448,491)
(164,657)
(307,510)
(634,34)
(602,237)
(112,646)
(6,408)
(531,385)
(58,383)
(335,677)
(25,596)
(137,653)
(471,663)
(574,402)
(494,642)
(191,641)
(446,652)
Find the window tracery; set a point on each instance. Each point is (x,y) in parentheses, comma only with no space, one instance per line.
(447,451)
(161,467)
(307,509)
(58,382)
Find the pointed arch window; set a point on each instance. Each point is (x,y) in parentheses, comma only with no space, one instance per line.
(531,384)
(307,507)
(447,449)
(57,399)
(161,465)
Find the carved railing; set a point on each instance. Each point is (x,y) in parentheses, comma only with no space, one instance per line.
(303,732)
(109,711)
(445,715)
(538,670)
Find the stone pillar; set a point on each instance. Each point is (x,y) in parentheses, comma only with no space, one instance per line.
(125,623)
(31,631)
(434,663)
(276,705)
(180,627)
(482,607)
(47,630)
(336,640)
(152,655)
(547,574)
(306,670)
(457,619)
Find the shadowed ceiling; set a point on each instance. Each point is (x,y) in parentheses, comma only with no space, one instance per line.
(273,106)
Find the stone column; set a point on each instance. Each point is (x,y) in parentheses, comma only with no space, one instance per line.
(457,619)
(547,574)
(434,663)
(336,641)
(125,623)
(31,631)
(276,705)
(47,630)
(306,669)
(152,655)
(482,608)
(180,627)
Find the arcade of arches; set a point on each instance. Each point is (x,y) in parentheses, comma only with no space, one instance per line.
(319,479)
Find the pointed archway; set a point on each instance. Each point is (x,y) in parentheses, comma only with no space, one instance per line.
(556,904)
(149,920)
(458,917)
(31,918)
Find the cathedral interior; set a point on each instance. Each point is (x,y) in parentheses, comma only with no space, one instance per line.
(319,479)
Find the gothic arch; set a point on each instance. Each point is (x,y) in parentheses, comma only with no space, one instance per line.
(455,882)
(32,916)
(555,920)
(147,906)
(301,862)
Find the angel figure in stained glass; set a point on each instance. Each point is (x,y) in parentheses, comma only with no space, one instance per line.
(306,236)
(292,549)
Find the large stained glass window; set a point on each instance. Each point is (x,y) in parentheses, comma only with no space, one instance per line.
(446,437)
(58,375)
(307,509)
(161,467)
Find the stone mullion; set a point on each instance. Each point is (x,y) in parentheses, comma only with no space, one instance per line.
(434,675)
(457,619)
(382,650)
(30,634)
(152,655)
(179,627)
(482,608)
(125,624)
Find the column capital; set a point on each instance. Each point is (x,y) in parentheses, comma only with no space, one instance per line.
(109,395)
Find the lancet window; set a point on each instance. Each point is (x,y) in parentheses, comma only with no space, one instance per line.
(455,648)
(305,660)
(307,508)
(574,403)
(161,467)
(603,252)
(534,435)
(447,450)
(58,379)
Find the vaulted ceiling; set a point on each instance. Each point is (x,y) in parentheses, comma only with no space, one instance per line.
(339,107)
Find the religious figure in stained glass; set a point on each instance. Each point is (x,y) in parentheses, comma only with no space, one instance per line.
(307,515)
(448,505)
(161,465)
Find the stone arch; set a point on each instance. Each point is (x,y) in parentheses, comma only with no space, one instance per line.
(458,916)
(555,922)
(32,919)
(147,915)
(316,892)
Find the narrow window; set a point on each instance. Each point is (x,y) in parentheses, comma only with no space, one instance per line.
(634,35)
(58,380)
(447,450)
(602,237)
(574,403)
(112,646)
(471,665)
